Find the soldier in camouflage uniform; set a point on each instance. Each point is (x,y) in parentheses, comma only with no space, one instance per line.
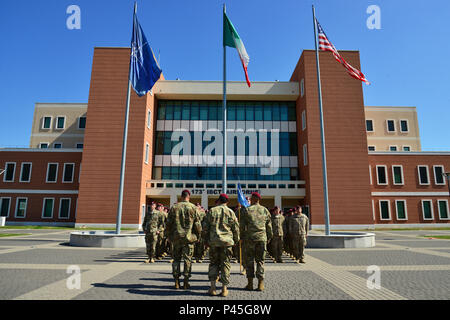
(153,224)
(161,235)
(256,231)
(277,240)
(184,229)
(287,237)
(221,233)
(199,248)
(298,226)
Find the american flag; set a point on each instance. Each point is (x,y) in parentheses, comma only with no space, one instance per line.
(326,45)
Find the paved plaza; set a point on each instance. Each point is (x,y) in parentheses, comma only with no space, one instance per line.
(41,266)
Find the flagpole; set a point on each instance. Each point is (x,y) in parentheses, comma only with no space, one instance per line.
(322,132)
(224,167)
(124,150)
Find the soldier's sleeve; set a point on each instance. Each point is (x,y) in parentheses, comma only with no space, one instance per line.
(205,228)
(197,223)
(234,227)
(269,231)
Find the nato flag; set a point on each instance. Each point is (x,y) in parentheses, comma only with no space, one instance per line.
(241,197)
(144,69)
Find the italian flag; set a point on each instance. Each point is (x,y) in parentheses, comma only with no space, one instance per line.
(231,39)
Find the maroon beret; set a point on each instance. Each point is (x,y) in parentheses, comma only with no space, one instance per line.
(187,191)
(223,195)
(256,195)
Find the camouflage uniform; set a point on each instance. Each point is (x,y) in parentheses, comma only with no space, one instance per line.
(277,240)
(160,246)
(220,232)
(153,223)
(184,228)
(199,248)
(298,226)
(287,236)
(255,230)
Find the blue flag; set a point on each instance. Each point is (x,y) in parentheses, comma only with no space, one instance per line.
(144,69)
(241,197)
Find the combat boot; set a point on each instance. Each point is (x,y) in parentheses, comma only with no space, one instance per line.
(224,292)
(186,284)
(260,285)
(302,261)
(212,290)
(152,260)
(147,260)
(249,284)
(177,283)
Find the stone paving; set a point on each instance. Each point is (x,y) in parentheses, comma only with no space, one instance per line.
(411,267)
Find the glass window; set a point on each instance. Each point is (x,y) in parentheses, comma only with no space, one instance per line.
(169,111)
(439,174)
(404,125)
(382,176)
(149,118)
(258,112)
(401,209)
(146,152)
(57,145)
(267,112)
(305,155)
(393,148)
(64,208)
(406,148)
(80,145)
(275,112)
(443,209)
(240,112)
(82,123)
(384,210)
(68,172)
(203,111)
(390,125)
(47,210)
(292,115)
(162,110)
(177,111)
(60,121)
(212,106)
(25,174)
(250,112)
(21,207)
(9,173)
(398,174)
(231,111)
(195,111)
(427,209)
(186,111)
(369,125)
(5,204)
(43,145)
(371,148)
(52,172)
(293,144)
(423,175)
(47,123)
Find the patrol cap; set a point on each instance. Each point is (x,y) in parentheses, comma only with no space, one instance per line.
(256,195)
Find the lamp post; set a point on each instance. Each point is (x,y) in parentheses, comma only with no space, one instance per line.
(447,176)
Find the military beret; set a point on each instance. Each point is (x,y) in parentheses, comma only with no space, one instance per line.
(223,195)
(187,191)
(256,195)
(160,205)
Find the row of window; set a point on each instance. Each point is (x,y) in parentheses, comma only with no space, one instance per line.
(236,110)
(215,173)
(58,145)
(398,177)
(287,143)
(48,206)
(60,122)
(51,176)
(402,212)
(391,126)
(392,148)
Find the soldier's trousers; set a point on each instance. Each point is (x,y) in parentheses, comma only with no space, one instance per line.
(160,245)
(199,249)
(220,262)
(185,252)
(151,240)
(255,252)
(277,247)
(298,246)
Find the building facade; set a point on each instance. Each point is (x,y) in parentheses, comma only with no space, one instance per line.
(70,175)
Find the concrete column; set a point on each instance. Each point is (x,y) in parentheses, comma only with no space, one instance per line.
(173,199)
(278,201)
(205,200)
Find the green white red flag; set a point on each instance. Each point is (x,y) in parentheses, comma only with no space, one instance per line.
(231,39)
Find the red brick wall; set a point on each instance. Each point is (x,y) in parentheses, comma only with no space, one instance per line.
(345,136)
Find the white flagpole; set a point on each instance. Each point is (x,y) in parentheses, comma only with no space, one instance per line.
(322,133)
(224,167)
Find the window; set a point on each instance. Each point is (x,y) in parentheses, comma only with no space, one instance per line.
(404,127)
(406,148)
(385,210)
(302,87)
(400,206)
(147,147)
(305,155)
(46,122)
(10,170)
(369,125)
(57,145)
(397,175)
(382,175)
(370,173)
(79,146)
(21,207)
(392,148)
(52,172)
(149,117)
(5,205)
(443,209)
(371,148)
(68,172)
(439,175)
(82,123)
(25,172)
(64,208)
(47,207)
(43,145)
(427,209)
(423,175)
(304,120)
(60,122)
(390,125)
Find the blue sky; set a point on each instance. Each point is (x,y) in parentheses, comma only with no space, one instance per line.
(407,60)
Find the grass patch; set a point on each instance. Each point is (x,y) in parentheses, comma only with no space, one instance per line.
(444,237)
(4,235)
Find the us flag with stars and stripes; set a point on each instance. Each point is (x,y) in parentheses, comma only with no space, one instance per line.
(326,45)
